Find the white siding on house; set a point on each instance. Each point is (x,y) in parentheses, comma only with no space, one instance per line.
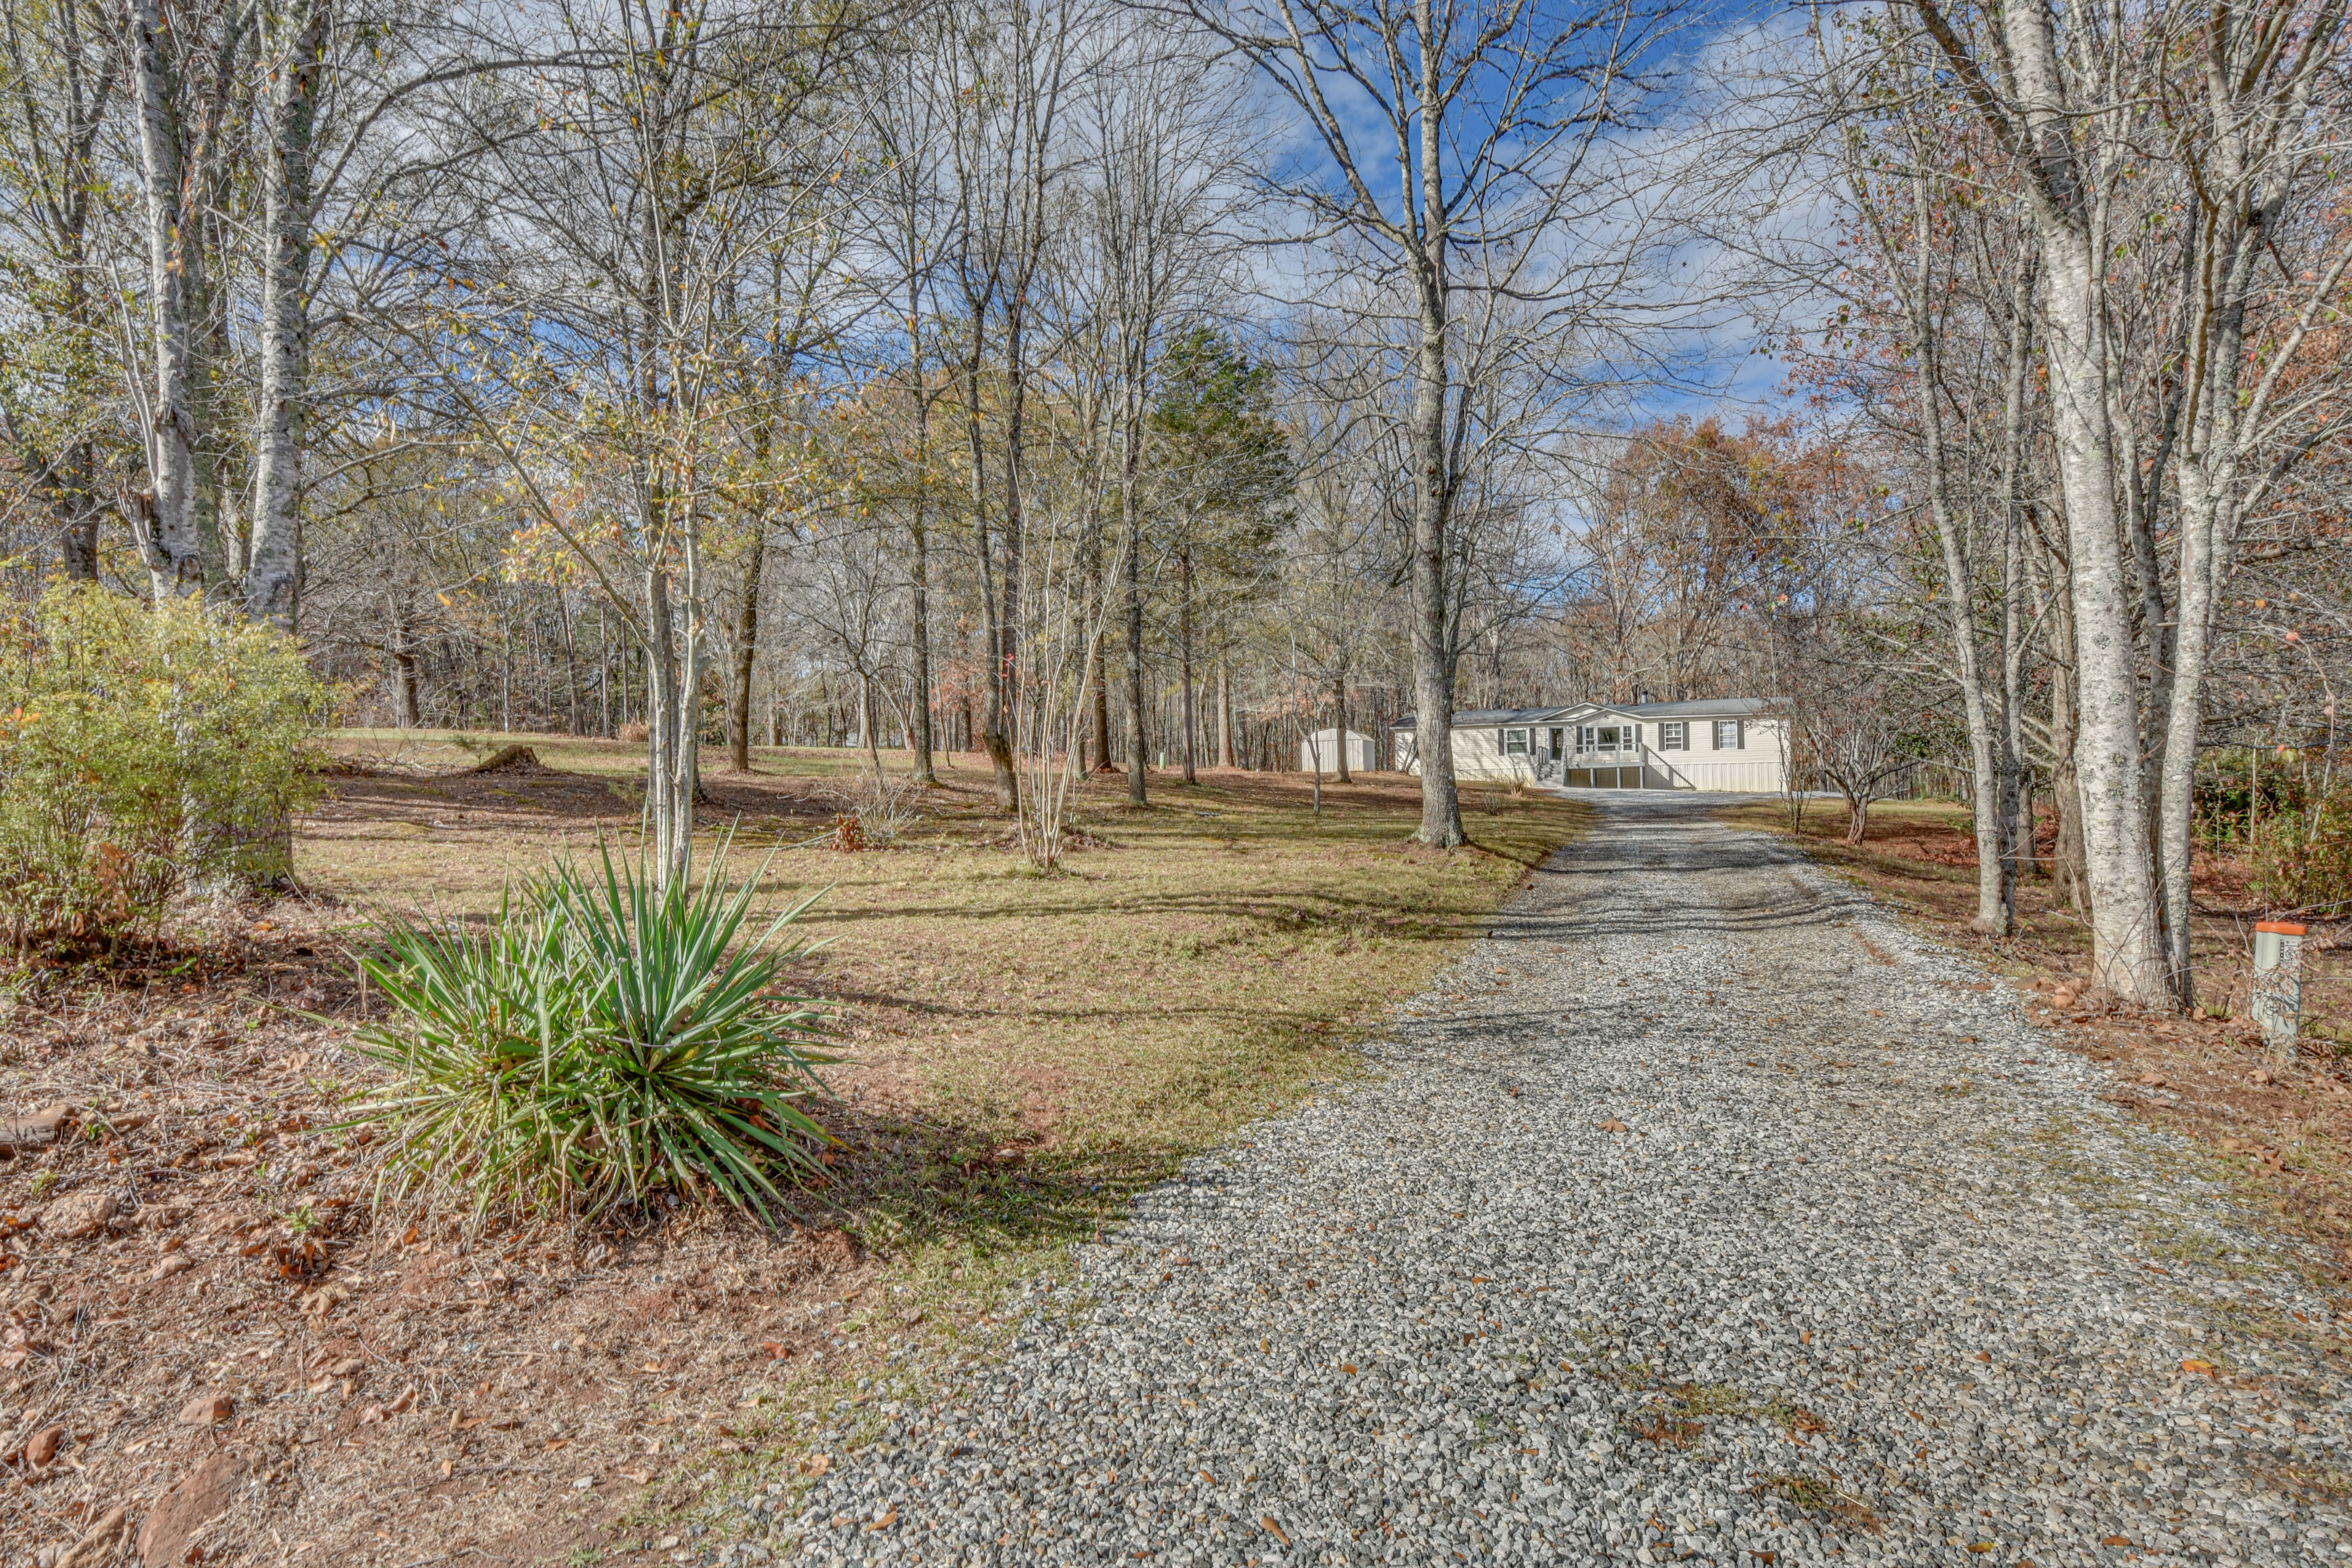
(1480,751)
(1607,748)
(1478,754)
(1751,766)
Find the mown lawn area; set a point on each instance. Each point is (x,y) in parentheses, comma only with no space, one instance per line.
(1194,963)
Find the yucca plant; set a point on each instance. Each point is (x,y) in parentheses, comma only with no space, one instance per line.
(601,1041)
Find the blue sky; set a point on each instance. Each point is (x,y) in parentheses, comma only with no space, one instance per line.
(1656,244)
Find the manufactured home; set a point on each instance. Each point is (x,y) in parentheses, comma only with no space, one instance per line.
(1732,743)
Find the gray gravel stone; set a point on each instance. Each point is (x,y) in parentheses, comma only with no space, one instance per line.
(1699,1214)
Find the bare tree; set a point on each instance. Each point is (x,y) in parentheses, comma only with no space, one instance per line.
(1490,114)
(626,222)
(60,75)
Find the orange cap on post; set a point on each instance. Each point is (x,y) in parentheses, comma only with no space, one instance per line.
(2281,928)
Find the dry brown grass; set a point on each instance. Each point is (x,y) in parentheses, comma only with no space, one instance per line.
(1197,963)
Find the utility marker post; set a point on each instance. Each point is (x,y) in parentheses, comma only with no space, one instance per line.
(2278,984)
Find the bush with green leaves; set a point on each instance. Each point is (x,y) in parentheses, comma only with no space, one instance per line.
(598,1041)
(143,748)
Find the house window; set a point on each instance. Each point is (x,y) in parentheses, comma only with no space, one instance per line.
(1514,743)
(1727,735)
(1674,736)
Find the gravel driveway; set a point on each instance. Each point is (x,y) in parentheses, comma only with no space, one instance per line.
(1700,1212)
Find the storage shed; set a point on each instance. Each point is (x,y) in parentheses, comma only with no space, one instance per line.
(1362,751)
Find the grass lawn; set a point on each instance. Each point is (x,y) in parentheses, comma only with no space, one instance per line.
(1198,962)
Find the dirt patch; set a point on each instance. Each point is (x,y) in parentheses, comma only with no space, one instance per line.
(257,1363)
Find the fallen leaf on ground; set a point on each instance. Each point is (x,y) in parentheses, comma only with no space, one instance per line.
(1275,1530)
(209,1410)
(41,1448)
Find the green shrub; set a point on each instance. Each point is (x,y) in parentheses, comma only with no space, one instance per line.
(2288,812)
(143,749)
(596,1043)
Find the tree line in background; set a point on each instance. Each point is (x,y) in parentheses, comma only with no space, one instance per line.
(1085,385)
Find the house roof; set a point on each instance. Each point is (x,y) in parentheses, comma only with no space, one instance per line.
(1485,718)
(1707,707)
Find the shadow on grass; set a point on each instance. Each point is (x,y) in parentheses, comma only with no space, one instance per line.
(910,1183)
(927,1185)
(1289,912)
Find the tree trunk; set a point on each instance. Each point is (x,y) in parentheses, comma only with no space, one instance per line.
(1184,661)
(1102,762)
(2221,277)
(745,651)
(406,708)
(1225,715)
(605,676)
(77,510)
(673,684)
(925,775)
(919,740)
(2016,802)
(1130,506)
(995,634)
(270,575)
(866,724)
(2071,209)
(164,522)
(1857,814)
(1339,706)
(265,575)
(2067,876)
(571,662)
(1433,624)
(1994,894)
(2126,923)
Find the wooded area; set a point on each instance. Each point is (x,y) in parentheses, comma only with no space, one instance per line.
(1092,386)
(659,895)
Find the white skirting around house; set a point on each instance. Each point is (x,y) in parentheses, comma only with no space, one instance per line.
(1690,748)
(1755,776)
